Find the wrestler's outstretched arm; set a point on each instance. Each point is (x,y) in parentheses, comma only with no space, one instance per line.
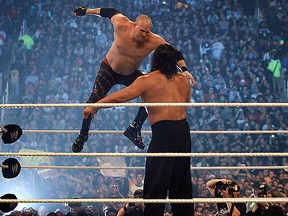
(131,92)
(102,12)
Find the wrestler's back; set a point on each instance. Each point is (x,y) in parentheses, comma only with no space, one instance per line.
(163,90)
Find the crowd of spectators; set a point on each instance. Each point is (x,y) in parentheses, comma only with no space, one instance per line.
(227,50)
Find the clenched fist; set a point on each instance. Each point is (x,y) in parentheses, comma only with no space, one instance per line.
(80,11)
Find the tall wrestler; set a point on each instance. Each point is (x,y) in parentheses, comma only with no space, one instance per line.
(170,131)
(133,41)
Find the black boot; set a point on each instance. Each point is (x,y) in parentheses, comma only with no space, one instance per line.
(79,143)
(83,135)
(133,132)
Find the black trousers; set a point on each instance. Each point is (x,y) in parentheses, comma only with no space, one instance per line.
(169,175)
(106,78)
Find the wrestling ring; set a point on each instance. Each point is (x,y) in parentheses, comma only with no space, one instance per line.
(121,200)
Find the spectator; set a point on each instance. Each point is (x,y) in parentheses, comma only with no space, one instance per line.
(138,184)
(275,68)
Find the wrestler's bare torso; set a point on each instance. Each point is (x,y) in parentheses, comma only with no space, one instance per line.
(127,52)
(154,87)
(157,88)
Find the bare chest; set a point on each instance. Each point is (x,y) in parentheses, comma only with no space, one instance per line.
(129,48)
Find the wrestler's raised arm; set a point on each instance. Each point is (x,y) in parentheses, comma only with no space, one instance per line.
(102,12)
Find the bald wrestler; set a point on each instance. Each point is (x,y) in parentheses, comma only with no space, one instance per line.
(133,41)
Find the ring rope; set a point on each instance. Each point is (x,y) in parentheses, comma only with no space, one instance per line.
(139,200)
(149,132)
(124,167)
(270,154)
(141,104)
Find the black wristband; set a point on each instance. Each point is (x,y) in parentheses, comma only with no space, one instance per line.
(184,68)
(108,12)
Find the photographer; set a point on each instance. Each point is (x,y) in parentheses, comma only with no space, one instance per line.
(76,209)
(222,188)
(268,208)
(133,209)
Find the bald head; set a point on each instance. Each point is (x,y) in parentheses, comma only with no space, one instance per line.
(144,20)
(142,28)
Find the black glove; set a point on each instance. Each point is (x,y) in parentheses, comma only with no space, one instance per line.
(80,11)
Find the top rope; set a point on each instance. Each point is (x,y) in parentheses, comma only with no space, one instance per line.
(143,104)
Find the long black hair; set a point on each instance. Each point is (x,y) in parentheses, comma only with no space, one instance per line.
(164,59)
